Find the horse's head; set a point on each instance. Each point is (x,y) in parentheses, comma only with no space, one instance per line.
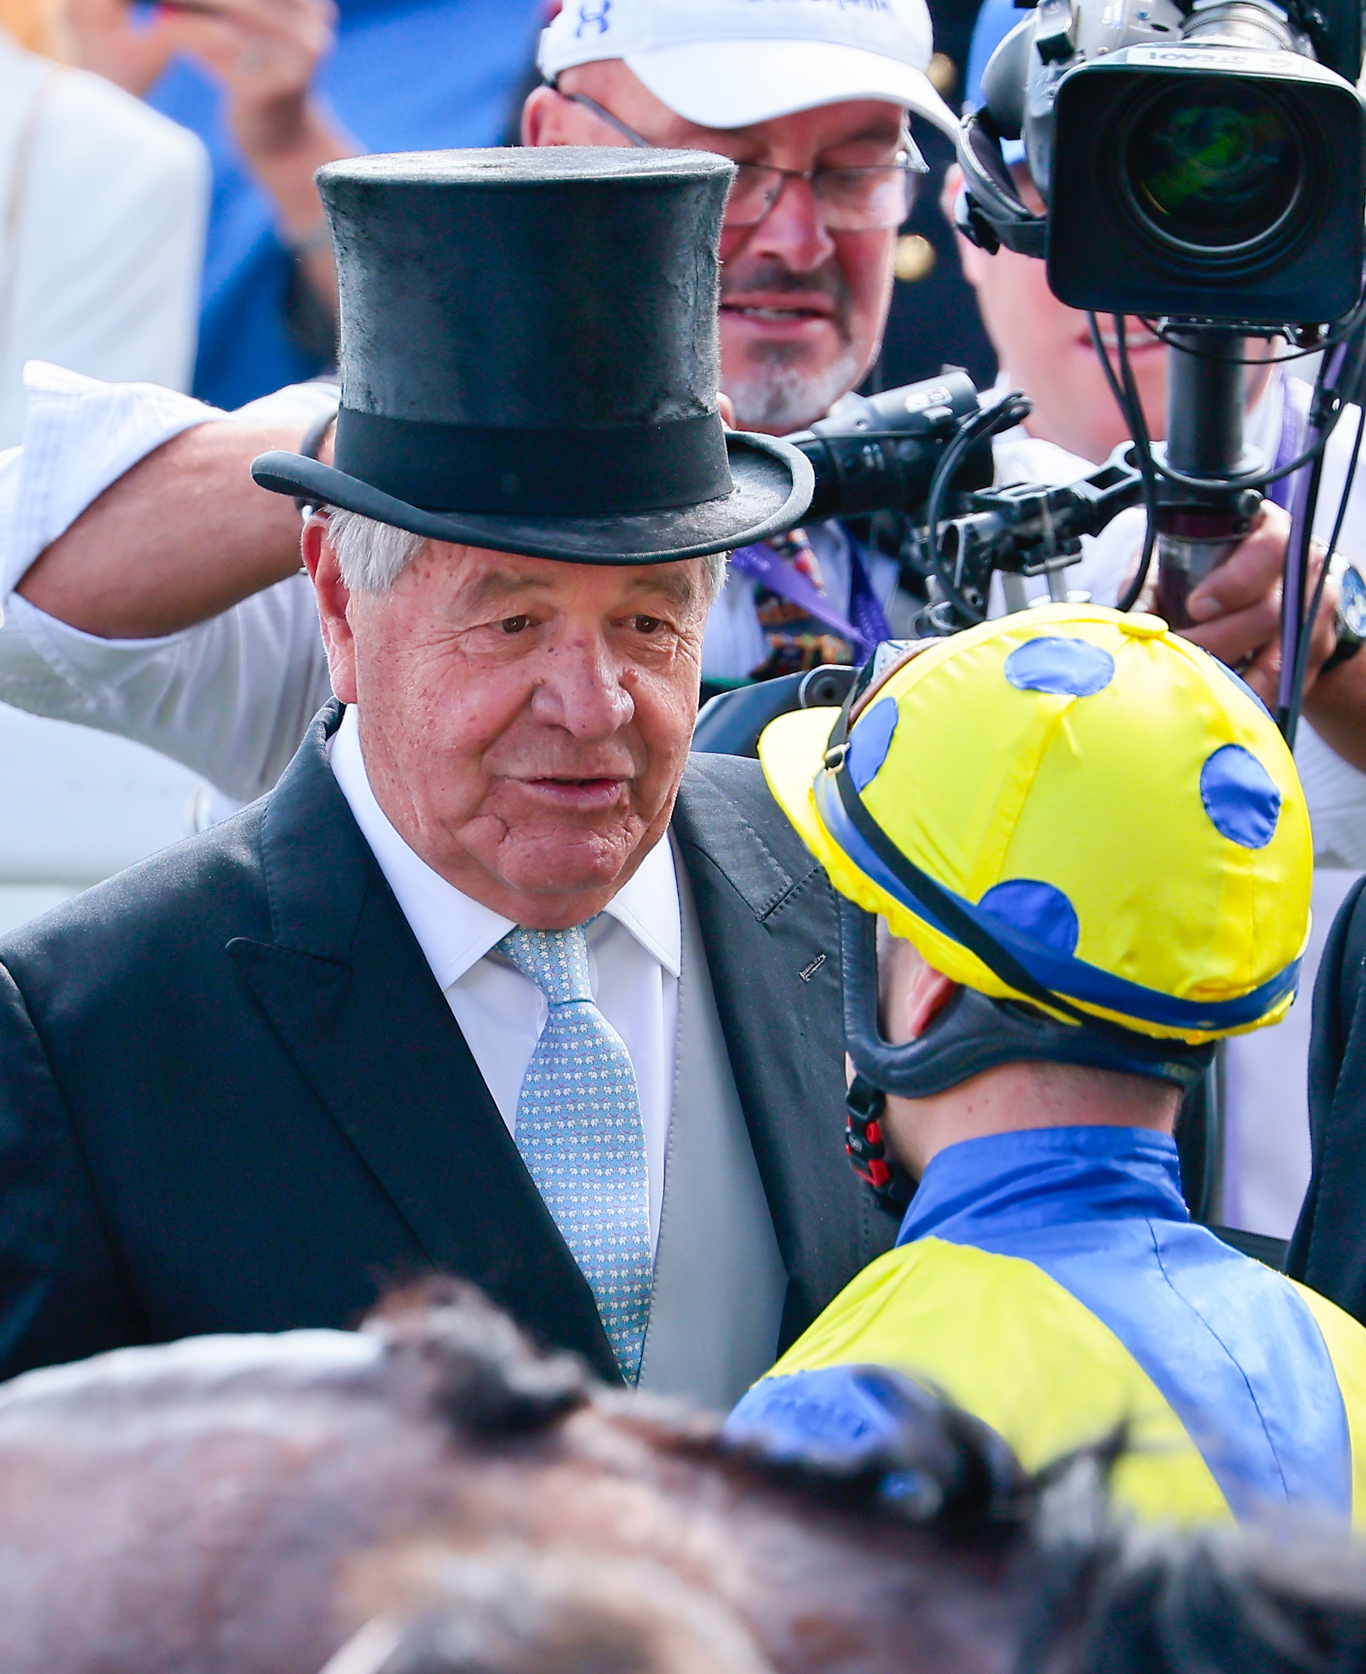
(228,1504)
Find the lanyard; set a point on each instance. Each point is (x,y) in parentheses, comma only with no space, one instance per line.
(1293,428)
(869,626)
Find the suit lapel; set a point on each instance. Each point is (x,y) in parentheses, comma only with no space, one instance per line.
(771,934)
(346,988)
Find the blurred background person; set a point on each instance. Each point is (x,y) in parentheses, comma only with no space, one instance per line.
(275,88)
(102,206)
(102,211)
(933,317)
(1046,349)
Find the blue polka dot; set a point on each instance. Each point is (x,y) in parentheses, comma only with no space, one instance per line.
(1073,667)
(1037,909)
(870,741)
(1240,796)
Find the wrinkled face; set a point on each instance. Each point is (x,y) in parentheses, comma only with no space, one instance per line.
(1045,349)
(802,308)
(525,722)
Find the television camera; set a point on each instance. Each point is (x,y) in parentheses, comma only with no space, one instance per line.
(1201,165)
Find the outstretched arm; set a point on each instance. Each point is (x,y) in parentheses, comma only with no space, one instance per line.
(181,536)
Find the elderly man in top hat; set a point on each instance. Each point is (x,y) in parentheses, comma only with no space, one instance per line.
(493,950)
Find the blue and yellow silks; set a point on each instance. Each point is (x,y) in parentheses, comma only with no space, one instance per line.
(1051,1283)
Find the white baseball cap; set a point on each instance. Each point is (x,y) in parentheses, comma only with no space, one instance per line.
(729,63)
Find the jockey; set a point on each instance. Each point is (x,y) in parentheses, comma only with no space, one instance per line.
(1088,855)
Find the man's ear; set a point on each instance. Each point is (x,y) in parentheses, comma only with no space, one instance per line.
(543,117)
(334,599)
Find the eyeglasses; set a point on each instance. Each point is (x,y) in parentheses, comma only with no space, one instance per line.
(851,200)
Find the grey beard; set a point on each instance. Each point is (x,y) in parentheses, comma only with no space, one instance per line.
(780,398)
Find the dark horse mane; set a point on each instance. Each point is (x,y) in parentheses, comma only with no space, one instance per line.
(1104,1597)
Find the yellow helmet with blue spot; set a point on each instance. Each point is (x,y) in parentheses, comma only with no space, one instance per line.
(1072,807)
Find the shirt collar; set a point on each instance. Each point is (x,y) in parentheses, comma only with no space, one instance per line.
(1046,1177)
(455,932)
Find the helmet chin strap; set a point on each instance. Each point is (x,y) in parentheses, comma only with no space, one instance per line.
(972,1033)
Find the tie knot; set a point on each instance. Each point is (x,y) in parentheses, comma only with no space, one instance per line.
(555,960)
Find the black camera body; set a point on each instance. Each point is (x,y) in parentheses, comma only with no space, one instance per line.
(1210,182)
(1201,160)
(879,453)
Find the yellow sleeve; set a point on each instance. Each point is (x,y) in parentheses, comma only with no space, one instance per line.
(1345,1341)
(1000,1338)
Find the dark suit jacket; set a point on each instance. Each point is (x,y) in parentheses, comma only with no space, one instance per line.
(233,1098)
(1329,1247)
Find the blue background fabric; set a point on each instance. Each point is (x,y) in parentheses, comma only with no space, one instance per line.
(404,75)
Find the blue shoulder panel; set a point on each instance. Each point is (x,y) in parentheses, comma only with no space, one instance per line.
(837,1414)
(1227,1342)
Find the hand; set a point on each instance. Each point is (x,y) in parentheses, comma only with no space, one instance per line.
(109,41)
(265,52)
(1237,607)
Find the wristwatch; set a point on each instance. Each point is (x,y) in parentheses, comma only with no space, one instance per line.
(1351,617)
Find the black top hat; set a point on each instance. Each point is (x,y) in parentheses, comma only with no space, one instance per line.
(529,358)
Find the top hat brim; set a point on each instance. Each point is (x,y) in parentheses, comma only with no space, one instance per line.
(772,488)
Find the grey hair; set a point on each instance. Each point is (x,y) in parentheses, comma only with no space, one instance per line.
(372,556)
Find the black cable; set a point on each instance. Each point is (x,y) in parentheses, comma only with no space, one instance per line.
(1262,478)
(985,423)
(1131,411)
(1340,333)
(1293,601)
(1144,443)
(1297,612)
(1311,614)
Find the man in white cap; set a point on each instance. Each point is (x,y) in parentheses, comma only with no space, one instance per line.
(138,614)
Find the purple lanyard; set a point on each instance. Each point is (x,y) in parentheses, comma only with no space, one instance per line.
(869,626)
(1294,425)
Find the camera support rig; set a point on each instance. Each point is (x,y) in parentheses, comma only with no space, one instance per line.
(1026,529)
(1198,527)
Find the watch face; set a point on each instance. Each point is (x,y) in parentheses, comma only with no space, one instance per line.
(1352,602)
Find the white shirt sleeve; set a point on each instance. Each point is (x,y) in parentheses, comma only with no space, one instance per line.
(229,698)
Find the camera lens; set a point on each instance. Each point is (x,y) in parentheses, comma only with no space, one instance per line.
(1214,166)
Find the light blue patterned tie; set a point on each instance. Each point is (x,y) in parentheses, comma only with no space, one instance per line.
(581,1137)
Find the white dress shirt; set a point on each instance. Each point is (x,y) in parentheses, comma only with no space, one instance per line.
(634,957)
(102,210)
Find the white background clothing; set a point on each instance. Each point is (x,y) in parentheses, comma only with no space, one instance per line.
(102,213)
(77,804)
(634,957)
(229,698)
